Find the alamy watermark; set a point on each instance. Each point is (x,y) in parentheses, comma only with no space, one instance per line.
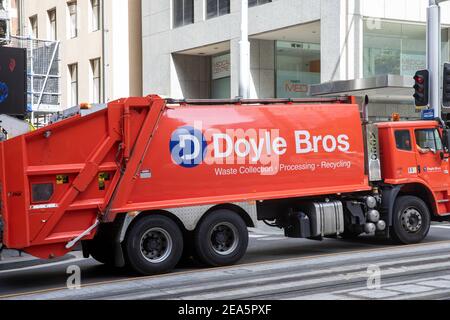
(374,277)
(74,279)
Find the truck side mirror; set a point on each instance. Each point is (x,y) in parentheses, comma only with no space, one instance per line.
(446,138)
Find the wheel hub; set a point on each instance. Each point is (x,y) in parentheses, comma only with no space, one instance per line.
(411,220)
(224,238)
(156,245)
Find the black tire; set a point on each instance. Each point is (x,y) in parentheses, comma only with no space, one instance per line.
(101,248)
(188,256)
(411,221)
(102,252)
(218,231)
(161,236)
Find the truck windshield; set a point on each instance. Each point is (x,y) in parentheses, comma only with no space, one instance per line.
(429,139)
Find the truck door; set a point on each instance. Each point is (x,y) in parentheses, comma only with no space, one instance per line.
(430,165)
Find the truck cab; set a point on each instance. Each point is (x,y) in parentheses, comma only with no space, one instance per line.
(414,157)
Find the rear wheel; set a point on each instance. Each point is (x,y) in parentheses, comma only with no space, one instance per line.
(411,223)
(102,252)
(101,248)
(153,245)
(221,239)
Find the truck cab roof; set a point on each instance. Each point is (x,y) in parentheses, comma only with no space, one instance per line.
(408,124)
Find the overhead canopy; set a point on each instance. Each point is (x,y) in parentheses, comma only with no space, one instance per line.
(383,89)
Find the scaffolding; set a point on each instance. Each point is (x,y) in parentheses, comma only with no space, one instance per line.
(5,23)
(43,78)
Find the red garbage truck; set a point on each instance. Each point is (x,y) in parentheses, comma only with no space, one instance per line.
(148,181)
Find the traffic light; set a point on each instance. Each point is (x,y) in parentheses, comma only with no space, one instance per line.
(421,87)
(446,88)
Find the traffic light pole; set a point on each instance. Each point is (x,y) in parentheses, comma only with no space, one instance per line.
(434,54)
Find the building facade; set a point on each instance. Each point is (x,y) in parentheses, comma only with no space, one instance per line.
(99,46)
(191,47)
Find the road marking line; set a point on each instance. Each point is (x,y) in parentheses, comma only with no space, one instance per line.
(42,266)
(423,245)
(441,227)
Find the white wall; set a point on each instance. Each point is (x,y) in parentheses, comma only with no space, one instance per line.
(341,36)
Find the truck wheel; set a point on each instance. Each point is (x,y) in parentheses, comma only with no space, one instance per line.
(221,239)
(153,245)
(101,252)
(411,220)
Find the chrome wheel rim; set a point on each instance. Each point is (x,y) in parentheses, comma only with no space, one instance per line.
(156,245)
(224,238)
(412,220)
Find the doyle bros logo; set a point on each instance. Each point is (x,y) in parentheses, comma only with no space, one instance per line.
(191,146)
(188,147)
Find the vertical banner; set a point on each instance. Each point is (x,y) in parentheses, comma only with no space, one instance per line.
(13,81)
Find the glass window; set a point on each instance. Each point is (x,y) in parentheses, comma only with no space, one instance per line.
(217,8)
(403,140)
(73,19)
(429,139)
(3,29)
(396,48)
(297,67)
(95,16)
(34,27)
(253,3)
(221,76)
(183,12)
(73,76)
(96,80)
(52,24)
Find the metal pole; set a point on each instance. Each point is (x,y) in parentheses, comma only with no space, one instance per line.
(244,54)
(104,63)
(434,55)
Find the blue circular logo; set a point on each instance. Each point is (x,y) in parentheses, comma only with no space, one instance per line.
(4,91)
(188,147)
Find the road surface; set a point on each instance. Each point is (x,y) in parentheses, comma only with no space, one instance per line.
(274,268)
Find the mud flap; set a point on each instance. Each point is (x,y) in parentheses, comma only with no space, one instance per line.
(389,195)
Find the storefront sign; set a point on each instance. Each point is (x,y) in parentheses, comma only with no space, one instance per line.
(221,66)
(294,86)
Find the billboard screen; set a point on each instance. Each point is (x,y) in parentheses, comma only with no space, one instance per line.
(13,81)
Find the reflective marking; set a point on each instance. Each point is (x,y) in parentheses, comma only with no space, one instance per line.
(256,236)
(44,206)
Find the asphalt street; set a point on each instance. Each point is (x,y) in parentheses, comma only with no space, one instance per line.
(274,268)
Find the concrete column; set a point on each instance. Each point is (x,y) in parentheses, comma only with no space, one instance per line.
(234,59)
(262,79)
(199,10)
(341,40)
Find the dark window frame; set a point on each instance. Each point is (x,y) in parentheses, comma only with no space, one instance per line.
(437,139)
(402,146)
(181,16)
(42,192)
(255,3)
(222,8)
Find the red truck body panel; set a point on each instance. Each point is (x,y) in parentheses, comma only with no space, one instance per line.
(141,154)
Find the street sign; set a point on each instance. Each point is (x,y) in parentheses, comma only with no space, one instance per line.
(428,114)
